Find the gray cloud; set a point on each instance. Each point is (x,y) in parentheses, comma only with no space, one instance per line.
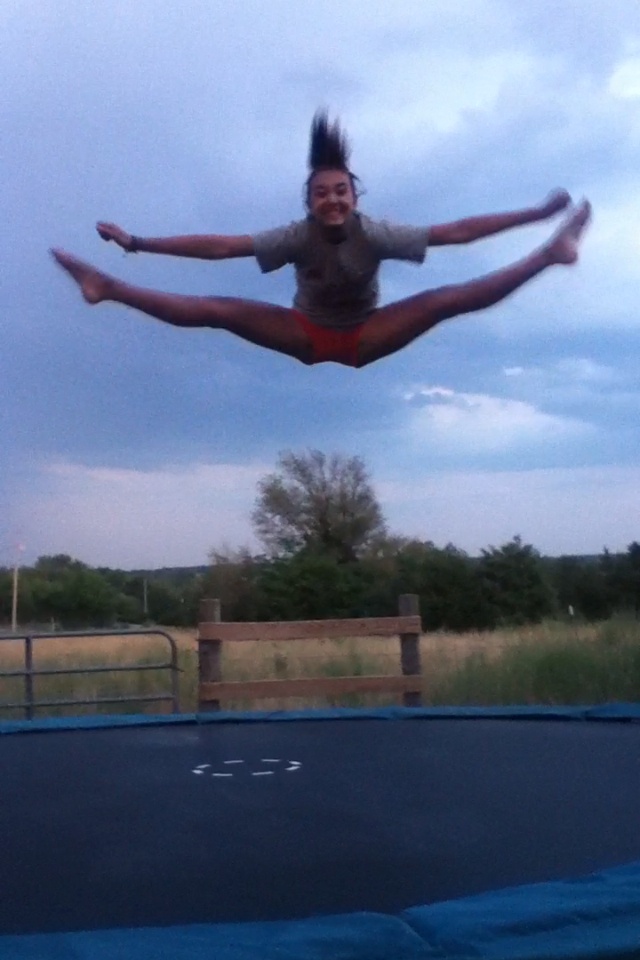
(175,118)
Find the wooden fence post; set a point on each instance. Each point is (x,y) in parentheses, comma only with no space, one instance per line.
(209,653)
(409,606)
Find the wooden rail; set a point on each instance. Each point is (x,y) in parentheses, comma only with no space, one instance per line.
(212,633)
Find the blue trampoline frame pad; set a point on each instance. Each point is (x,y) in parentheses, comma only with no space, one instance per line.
(578,918)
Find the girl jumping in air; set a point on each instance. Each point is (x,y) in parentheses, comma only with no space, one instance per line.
(336,251)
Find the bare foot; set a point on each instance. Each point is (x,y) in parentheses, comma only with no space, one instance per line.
(93,284)
(563,247)
(556,201)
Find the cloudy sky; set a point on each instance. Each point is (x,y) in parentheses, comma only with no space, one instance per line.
(129,443)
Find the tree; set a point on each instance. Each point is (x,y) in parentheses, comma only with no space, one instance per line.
(621,573)
(312,586)
(632,562)
(76,596)
(583,586)
(318,504)
(446,583)
(515,584)
(6,594)
(53,565)
(232,579)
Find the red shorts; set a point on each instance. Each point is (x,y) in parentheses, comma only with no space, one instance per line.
(340,346)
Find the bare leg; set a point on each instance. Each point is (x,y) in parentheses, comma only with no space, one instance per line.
(264,324)
(393,327)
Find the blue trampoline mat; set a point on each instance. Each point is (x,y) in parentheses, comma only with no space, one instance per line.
(486,833)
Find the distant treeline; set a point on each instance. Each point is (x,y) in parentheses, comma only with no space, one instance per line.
(505,586)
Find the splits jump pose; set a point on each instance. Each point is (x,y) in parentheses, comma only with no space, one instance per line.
(336,251)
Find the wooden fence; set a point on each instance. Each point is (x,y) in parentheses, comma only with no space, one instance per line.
(213,690)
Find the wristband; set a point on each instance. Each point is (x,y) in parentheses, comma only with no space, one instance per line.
(134,244)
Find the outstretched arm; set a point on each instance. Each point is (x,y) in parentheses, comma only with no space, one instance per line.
(475,228)
(212,247)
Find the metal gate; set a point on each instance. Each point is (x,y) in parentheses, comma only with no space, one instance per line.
(28,704)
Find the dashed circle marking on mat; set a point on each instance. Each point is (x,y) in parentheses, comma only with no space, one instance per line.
(243,768)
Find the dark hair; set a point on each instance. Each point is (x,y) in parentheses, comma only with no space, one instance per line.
(329,149)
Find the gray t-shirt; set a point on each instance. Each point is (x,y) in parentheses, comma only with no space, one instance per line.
(337,283)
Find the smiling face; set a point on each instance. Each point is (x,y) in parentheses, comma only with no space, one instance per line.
(331,197)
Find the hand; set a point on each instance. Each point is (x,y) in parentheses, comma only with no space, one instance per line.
(109,231)
(556,201)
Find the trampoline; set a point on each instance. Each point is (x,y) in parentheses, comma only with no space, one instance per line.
(383,834)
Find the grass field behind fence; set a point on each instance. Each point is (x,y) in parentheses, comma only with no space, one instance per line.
(548,664)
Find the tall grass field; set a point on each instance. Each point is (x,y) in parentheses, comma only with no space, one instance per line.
(549,664)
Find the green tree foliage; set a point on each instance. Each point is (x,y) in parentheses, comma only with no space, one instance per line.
(447,583)
(621,575)
(70,594)
(63,593)
(53,565)
(597,588)
(232,580)
(310,586)
(632,583)
(319,503)
(6,594)
(582,588)
(515,584)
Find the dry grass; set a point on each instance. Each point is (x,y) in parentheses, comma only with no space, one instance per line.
(92,652)
(440,652)
(110,648)
(445,657)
